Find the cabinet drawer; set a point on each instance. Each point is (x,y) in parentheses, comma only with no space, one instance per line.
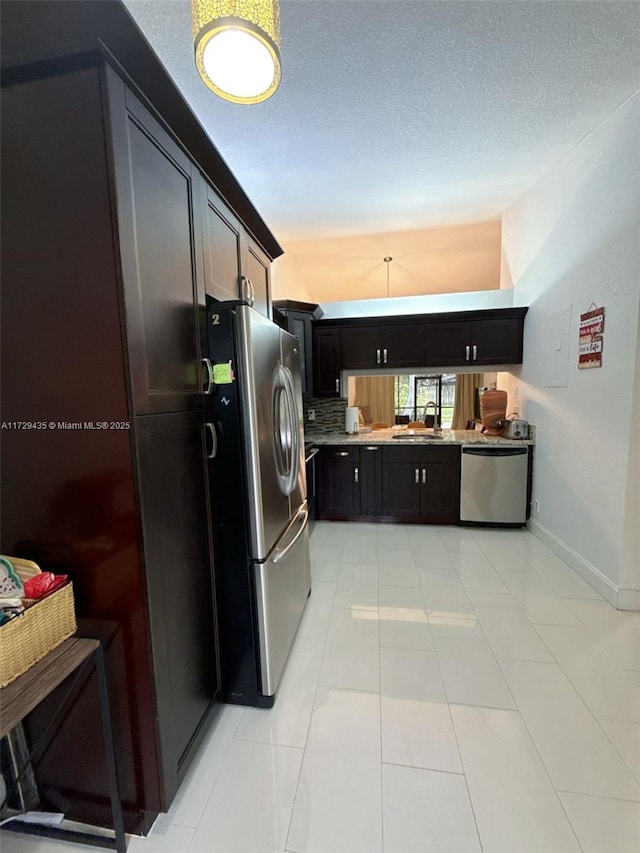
(443,455)
(397,453)
(340,454)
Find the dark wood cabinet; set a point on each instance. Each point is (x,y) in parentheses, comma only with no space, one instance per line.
(297,319)
(440,499)
(176,530)
(421,484)
(448,344)
(360,347)
(222,245)
(370,480)
(401,483)
(299,324)
(257,272)
(235,267)
(397,346)
(484,338)
(482,342)
(496,341)
(154,200)
(338,494)
(326,362)
(391,483)
(403,346)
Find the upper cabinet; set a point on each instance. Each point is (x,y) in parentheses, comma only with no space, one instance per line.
(490,340)
(295,318)
(235,267)
(326,362)
(382,346)
(222,243)
(154,198)
(484,337)
(257,277)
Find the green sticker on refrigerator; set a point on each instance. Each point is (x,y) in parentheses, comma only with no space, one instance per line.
(223,374)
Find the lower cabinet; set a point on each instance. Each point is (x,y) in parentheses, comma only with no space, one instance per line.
(421,484)
(349,482)
(404,484)
(176,529)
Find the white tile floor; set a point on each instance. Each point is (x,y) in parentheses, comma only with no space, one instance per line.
(450,690)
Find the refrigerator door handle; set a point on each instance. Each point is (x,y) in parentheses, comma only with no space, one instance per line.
(214,440)
(209,389)
(281,553)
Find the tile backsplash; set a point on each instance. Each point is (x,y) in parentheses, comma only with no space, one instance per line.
(330,414)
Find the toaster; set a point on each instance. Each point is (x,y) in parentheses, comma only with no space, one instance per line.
(515,428)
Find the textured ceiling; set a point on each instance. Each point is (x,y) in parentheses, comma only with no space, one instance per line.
(397,115)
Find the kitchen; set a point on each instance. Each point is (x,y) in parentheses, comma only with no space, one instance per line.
(567,240)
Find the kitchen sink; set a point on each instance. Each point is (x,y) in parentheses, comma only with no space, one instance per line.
(417,436)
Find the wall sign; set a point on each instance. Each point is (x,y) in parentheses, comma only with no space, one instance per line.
(591,336)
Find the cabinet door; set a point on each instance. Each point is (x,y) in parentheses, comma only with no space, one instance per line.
(176,528)
(338,489)
(496,341)
(403,346)
(360,347)
(222,236)
(448,344)
(370,480)
(400,484)
(154,199)
(440,479)
(326,363)
(299,324)
(257,268)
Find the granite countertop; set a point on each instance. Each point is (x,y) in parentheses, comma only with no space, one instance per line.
(385,436)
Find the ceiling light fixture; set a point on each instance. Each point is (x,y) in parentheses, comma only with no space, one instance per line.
(387,261)
(237,47)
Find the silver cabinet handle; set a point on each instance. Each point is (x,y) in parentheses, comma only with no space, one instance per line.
(356,475)
(417,475)
(209,368)
(214,440)
(475,352)
(311,454)
(424,476)
(377,356)
(384,353)
(371,447)
(337,386)
(466,353)
(342,453)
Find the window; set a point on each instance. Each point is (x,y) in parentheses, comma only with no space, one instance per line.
(412,393)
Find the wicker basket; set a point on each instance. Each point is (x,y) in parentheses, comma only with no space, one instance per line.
(29,637)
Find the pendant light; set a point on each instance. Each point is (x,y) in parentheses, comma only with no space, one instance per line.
(237,47)
(387,261)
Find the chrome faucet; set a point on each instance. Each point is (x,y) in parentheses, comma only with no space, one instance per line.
(436,418)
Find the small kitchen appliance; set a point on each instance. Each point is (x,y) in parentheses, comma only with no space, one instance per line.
(515,428)
(352,420)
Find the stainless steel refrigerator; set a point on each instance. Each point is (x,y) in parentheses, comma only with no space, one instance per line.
(258,498)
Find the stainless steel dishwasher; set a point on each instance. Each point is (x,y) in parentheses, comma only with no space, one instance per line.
(493,484)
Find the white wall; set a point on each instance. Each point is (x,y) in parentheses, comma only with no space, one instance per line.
(572,240)
(448,259)
(287,280)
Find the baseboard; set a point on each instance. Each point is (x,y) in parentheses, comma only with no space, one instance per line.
(593,576)
(628,599)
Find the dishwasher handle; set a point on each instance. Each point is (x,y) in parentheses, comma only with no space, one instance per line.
(495,451)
